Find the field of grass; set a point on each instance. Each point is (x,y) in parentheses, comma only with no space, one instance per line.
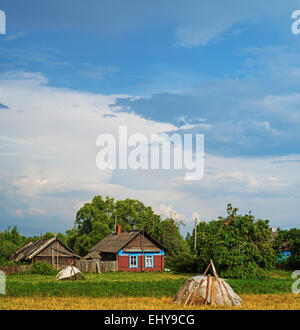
(122,284)
(136,291)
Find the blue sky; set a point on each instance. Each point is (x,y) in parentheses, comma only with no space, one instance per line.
(70,70)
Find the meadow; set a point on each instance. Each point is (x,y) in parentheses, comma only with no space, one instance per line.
(136,291)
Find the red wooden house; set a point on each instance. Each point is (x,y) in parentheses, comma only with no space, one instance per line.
(132,250)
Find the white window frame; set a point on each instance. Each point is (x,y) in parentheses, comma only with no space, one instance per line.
(147,258)
(131,258)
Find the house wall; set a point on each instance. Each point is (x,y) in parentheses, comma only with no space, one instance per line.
(157,265)
(57,263)
(141,246)
(56,255)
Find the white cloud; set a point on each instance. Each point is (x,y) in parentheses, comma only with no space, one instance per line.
(168,211)
(55,170)
(55,138)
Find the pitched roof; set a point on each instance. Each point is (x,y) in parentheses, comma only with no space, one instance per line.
(114,242)
(28,251)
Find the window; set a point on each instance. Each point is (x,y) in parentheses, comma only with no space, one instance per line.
(133,262)
(149,261)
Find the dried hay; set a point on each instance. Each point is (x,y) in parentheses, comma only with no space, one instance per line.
(206,289)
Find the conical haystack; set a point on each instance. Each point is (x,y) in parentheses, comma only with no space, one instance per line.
(206,289)
(70,273)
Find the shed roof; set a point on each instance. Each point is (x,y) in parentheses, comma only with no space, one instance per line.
(114,242)
(30,250)
(93,255)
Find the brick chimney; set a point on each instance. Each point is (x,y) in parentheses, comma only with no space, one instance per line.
(118,229)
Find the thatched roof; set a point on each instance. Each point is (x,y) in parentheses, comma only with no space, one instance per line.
(30,250)
(114,242)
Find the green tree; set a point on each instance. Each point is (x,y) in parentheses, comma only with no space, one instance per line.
(10,242)
(239,245)
(289,240)
(49,235)
(176,247)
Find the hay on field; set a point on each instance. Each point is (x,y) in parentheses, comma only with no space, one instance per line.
(207,290)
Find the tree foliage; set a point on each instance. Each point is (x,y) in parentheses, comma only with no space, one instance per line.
(239,245)
(10,241)
(176,247)
(289,240)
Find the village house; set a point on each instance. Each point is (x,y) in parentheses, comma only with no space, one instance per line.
(52,251)
(132,250)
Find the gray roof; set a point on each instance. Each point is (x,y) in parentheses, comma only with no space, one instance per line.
(93,255)
(114,242)
(30,250)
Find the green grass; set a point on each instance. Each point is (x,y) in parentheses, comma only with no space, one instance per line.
(121,284)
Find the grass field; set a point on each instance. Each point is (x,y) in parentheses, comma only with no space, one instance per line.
(136,291)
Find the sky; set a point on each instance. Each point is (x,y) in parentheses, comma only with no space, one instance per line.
(72,69)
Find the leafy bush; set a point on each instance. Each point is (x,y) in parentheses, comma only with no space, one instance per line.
(251,270)
(43,268)
(239,245)
(183,263)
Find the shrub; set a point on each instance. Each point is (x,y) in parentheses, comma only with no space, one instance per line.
(43,268)
(251,270)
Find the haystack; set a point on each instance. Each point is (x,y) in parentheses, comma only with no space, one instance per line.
(207,290)
(70,273)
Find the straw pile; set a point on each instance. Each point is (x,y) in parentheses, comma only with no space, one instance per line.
(207,290)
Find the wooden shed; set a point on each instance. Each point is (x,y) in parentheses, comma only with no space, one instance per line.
(132,250)
(52,251)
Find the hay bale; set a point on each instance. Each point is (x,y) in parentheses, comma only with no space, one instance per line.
(207,289)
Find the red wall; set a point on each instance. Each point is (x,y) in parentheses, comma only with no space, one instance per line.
(158,264)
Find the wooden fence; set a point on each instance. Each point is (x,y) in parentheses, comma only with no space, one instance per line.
(93,266)
(85,266)
(16,269)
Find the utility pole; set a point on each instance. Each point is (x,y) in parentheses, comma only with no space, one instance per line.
(195,235)
(116,218)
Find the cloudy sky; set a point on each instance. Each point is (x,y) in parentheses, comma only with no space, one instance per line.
(72,69)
